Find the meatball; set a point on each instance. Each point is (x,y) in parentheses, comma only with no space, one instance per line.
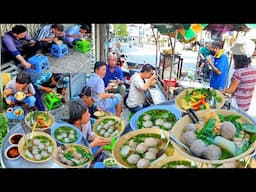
(147,124)
(227,130)
(153,150)
(190,127)
(147,117)
(212,152)
(143,163)
(150,142)
(141,148)
(198,147)
(132,143)
(150,155)
(133,159)
(188,138)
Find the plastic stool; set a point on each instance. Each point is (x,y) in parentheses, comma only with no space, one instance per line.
(51,101)
(83,46)
(10,113)
(99,165)
(39,63)
(59,50)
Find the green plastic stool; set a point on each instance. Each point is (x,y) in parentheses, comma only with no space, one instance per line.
(111,145)
(52,101)
(83,46)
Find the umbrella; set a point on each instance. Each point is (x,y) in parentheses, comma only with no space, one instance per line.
(186,32)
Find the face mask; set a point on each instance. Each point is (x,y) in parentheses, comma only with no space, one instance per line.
(213,52)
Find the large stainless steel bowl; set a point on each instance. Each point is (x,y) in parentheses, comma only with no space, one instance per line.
(177,131)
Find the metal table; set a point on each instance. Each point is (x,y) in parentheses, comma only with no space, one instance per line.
(22,163)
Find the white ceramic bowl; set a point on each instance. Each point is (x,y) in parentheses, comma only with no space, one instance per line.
(12,152)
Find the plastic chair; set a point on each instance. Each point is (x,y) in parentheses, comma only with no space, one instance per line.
(83,46)
(59,50)
(39,64)
(52,101)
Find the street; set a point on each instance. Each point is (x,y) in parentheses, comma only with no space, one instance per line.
(147,54)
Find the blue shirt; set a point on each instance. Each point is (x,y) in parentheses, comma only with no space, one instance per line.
(45,32)
(219,81)
(46,77)
(11,44)
(117,74)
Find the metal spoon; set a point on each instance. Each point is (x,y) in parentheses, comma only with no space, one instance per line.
(178,142)
(162,149)
(249,158)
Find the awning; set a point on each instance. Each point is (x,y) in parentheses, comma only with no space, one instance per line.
(186,32)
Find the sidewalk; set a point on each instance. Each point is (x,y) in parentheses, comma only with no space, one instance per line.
(73,62)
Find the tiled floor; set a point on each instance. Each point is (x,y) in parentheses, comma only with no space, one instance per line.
(73,62)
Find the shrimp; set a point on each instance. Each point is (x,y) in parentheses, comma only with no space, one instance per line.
(214,116)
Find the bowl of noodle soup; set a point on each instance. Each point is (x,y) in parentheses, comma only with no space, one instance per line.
(220,136)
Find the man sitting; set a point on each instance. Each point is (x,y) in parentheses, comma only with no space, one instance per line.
(20,84)
(137,98)
(47,82)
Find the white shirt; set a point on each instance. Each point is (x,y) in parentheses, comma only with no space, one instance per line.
(87,131)
(136,95)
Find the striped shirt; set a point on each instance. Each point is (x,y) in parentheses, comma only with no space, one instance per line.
(247,81)
(45,32)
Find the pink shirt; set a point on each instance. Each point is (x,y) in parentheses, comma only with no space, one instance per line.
(247,81)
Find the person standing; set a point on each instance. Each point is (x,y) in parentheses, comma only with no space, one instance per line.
(243,81)
(219,66)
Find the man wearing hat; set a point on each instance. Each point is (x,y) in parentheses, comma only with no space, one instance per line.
(219,65)
(88,96)
(47,82)
(243,81)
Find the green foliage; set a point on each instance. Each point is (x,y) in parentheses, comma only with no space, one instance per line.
(120,30)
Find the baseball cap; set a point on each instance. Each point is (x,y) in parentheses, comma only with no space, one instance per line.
(89,92)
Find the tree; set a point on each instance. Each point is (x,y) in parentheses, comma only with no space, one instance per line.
(120,30)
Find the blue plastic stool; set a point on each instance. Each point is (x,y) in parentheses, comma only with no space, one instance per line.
(59,50)
(99,165)
(10,113)
(39,64)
